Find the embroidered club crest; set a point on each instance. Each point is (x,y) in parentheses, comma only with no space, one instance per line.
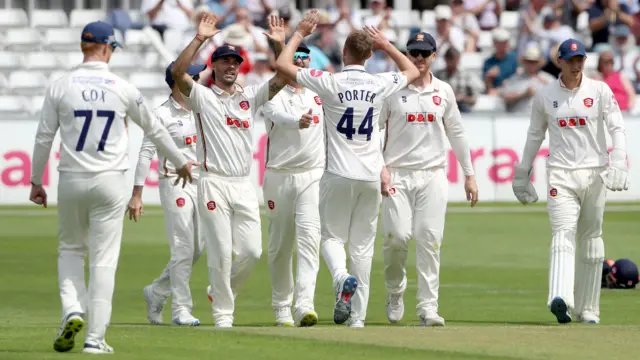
(211,205)
(573,46)
(588,102)
(437,100)
(317,100)
(180,202)
(244,105)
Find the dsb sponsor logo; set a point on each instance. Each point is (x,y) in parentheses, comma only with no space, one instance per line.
(572,122)
(420,117)
(240,124)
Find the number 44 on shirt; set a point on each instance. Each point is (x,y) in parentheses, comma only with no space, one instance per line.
(345,125)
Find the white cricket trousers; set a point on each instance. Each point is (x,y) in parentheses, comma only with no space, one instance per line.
(575,202)
(416,208)
(229,215)
(181,227)
(349,215)
(292,198)
(91,210)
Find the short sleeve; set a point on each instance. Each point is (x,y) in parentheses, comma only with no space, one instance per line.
(197,97)
(392,82)
(258,95)
(318,81)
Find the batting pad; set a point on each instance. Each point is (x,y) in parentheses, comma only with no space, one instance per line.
(562,266)
(589,275)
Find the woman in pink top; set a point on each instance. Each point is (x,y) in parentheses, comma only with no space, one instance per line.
(617,81)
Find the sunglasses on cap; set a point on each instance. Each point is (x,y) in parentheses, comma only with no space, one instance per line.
(425,53)
(300,55)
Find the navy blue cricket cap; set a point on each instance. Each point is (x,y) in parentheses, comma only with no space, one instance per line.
(193,70)
(226,50)
(303,48)
(99,32)
(570,48)
(421,41)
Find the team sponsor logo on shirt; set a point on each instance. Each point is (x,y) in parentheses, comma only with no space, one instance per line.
(572,122)
(555,104)
(244,105)
(420,117)
(553,192)
(437,100)
(316,119)
(271,204)
(180,202)
(588,102)
(316,72)
(240,124)
(191,139)
(211,205)
(317,100)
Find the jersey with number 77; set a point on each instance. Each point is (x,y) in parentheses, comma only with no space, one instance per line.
(352,100)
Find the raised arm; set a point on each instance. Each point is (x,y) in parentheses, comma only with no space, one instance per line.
(380,42)
(206,30)
(276,37)
(284,63)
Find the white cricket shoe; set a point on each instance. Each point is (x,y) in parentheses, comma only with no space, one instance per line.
(395,307)
(185,319)
(305,317)
(588,317)
(97,348)
(431,319)
(224,325)
(283,316)
(71,326)
(344,293)
(355,324)
(154,305)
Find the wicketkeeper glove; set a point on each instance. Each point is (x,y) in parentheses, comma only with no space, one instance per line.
(522,186)
(616,178)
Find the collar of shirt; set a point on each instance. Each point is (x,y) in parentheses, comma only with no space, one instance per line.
(218,91)
(562,86)
(176,104)
(292,89)
(432,87)
(94,65)
(354,68)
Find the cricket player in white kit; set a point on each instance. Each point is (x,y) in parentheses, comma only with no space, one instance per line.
(295,163)
(577,111)
(90,106)
(179,205)
(419,120)
(228,207)
(350,187)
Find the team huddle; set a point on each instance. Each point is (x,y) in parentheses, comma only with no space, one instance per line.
(341,147)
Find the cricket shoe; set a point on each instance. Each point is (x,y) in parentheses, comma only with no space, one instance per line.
(71,326)
(283,316)
(97,348)
(306,317)
(588,317)
(154,306)
(355,324)
(185,319)
(344,293)
(431,318)
(395,307)
(560,309)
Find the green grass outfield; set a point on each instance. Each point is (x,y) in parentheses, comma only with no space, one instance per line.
(493,294)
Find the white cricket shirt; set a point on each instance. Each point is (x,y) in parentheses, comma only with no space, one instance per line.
(90,106)
(418,124)
(225,124)
(352,100)
(577,120)
(182,128)
(288,146)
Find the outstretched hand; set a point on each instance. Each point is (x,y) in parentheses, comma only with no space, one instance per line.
(207,26)
(380,42)
(308,24)
(276,29)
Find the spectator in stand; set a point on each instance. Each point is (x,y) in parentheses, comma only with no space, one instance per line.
(518,91)
(552,33)
(168,14)
(380,62)
(260,9)
(325,51)
(531,20)
(225,10)
(502,64)
(618,82)
(466,85)
(487,11)
(603,14)
(626,54)
(244,34)
(447,35)
(467,22)
(285,14)
(262,71)
(633,6)
(345,19)
(570,9)
(380,15)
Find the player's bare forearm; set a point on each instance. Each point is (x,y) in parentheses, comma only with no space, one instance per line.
(276,84)
(404,64)
(277,47)
(179,69)
(137,191)
(284,64)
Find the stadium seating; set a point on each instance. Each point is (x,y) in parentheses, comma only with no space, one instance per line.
(49,19)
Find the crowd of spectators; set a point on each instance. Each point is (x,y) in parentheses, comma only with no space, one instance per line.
(516,63)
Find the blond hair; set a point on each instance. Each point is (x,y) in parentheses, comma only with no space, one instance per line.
(359,45)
